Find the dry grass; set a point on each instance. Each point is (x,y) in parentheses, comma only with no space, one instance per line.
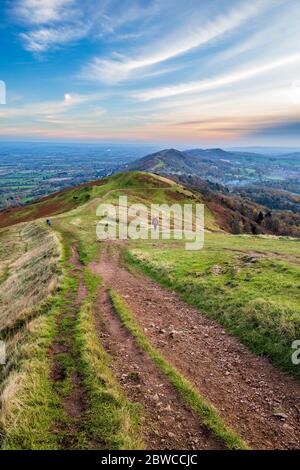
(30,270)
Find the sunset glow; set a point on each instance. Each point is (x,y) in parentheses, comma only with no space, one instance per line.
(218,72)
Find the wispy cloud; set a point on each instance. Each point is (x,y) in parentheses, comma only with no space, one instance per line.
(54,108)
(38,12)
(164,68)
(49,23)
(53,23)
(120,68)
(218,82)
(43,39)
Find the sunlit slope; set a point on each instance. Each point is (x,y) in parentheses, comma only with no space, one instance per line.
(29,250)
(138,187)
(50,205)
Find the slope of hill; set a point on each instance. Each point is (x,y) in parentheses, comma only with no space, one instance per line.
(29,269)
(237,213)
(271,198)
(51,205)
(234,213)
(232,169)
(66,385)
(166,161)
(142,185)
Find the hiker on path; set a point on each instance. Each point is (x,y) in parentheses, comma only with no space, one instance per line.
(155,222)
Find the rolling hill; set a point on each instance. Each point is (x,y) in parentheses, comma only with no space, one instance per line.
(224,211)
(107,341)
(233,169)
(242,208)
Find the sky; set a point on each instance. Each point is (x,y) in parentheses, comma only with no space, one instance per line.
(207,73)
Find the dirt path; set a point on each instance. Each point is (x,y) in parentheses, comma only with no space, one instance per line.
(64,374)
(166,422)
(259,402)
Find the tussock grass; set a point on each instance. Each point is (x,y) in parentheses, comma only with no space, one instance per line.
(31,273)
(30,406)
(206,412)
(110,419)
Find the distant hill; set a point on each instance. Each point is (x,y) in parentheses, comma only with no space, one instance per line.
(208,172)
(230,168)
(190,161)
(224,211)
(174,162)
(165,161)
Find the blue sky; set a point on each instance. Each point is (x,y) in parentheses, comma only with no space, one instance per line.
(218,72)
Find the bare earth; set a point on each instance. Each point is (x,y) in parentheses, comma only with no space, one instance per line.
(75,403)
(167,422)
(261,403)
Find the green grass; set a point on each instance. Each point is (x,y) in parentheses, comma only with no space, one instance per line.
(257,301)
(248,284)
(30,405)
(111,419)
(29,408)
(206,412)
(88,251)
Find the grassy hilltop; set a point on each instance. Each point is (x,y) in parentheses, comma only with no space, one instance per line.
(49,311)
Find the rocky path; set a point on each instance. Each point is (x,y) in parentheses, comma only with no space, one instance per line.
(65,376)
(167,423)
(261,403)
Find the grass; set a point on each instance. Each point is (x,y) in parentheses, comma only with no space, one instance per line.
(88,251)
(110,419)
(256,300)
(30,254)
(28,405)
(253,293)
(30,259)
(82,201)
(4,274)
(206,412)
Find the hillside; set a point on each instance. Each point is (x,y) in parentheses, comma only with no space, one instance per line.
(241,209)
(244,212)
(166,161)
(116,338)
(230,168)
(56,203)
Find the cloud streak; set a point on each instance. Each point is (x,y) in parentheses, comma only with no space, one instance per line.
(203,85)
(43,39)
(53,108)
(159,67)
(119,69)
(50,23)
(38,12)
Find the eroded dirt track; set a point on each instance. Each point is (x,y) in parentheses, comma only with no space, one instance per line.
(259,402)
(64,365)
(166,421)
